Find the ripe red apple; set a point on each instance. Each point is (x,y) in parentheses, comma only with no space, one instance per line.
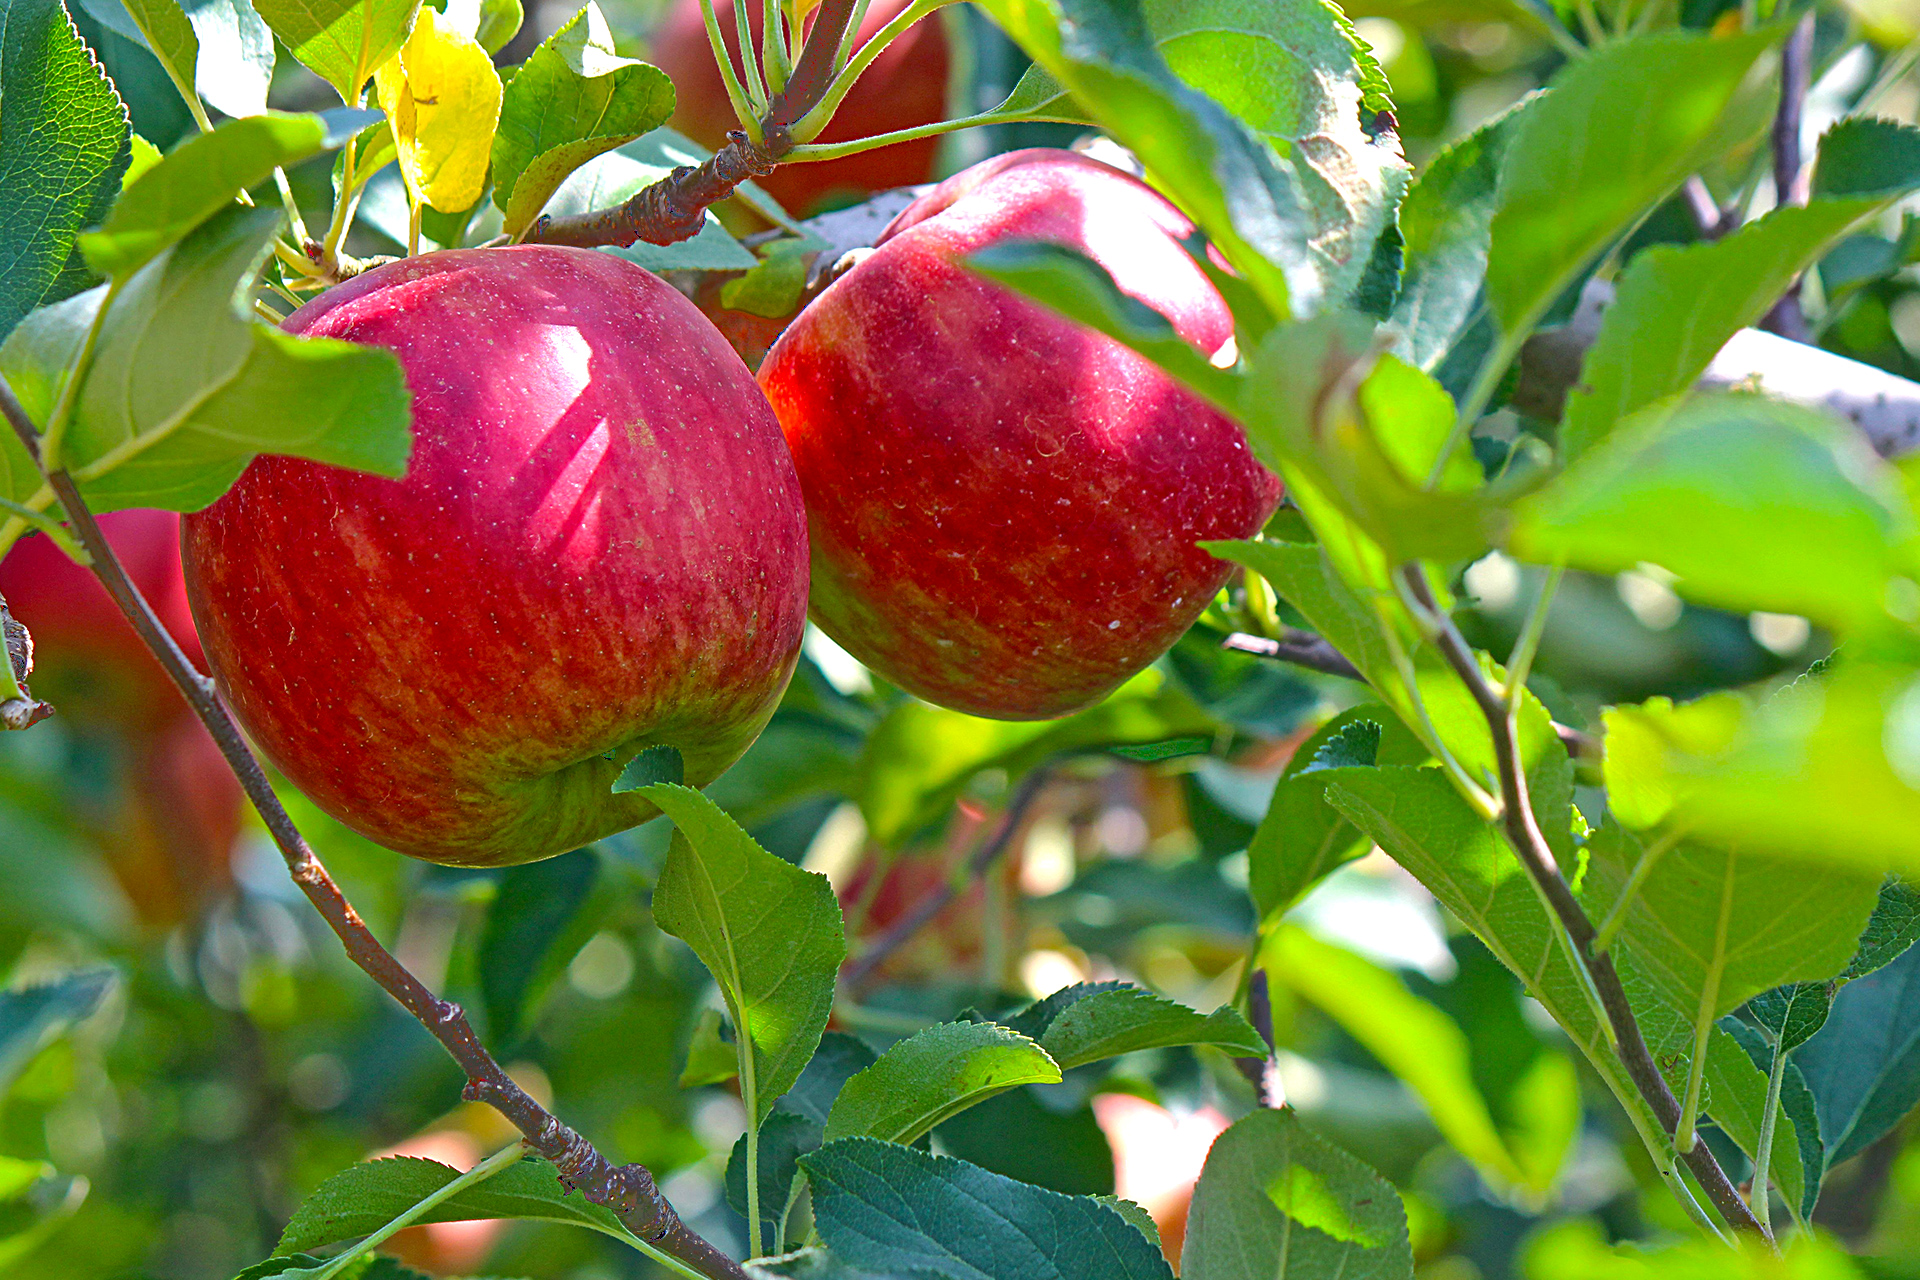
(599,546)
(1004,506)
(904,88)
(87,660)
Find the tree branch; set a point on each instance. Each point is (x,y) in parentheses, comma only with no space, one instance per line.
(628,1190)
(674,208)
(1789,172)
(922,912)
(1536,855)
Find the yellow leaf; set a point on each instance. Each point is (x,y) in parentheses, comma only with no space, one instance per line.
(442,97)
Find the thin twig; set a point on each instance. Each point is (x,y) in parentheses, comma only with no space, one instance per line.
(628,1190)
(1262,1073)
(1536,855)
(1299,648)
(985,855)
(1789,172)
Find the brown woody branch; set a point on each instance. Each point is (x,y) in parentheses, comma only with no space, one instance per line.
(1790,175)
(628,1190)
(1536,855)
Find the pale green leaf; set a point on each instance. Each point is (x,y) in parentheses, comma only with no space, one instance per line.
(342,41)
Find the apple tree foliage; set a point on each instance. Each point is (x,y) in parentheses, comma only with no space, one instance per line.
(1744,856)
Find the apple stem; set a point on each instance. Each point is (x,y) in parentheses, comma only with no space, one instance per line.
(628,1190)
(922,912)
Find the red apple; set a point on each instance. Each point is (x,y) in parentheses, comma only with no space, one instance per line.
(599,546)
(904,88)
(1004,506)
(87,660)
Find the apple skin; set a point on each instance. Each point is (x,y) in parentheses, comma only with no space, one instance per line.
(88,661)
(905,87)
(1003,505)
(598,546)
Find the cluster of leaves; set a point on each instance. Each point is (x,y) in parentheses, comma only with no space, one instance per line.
(1378,319)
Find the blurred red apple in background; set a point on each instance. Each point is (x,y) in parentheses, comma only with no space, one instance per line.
(1003,505)
(599,546)
(904,88)
(170,835)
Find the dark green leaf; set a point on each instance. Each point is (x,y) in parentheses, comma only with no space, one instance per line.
(769,933)
(1616,132)
(371,1267)
(1863,1068)
(532,908)
(1278,1202)
(1099,1021)
(357,1202)
(932,1075)
(63,147)
(1750,503)
(33,1016)
(1866,156)
(658,763)
(839,1058)
(1035,1135)
(1172,749)
(1738,1059)
(195,182)
(1893,927)
(1447,222)
(573,99)
(892,1209)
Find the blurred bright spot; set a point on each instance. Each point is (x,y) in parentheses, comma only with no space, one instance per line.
(1169,970)
(719,1119)
(1384,36)
(1302,1082)
(842,670)
(1783,633)
(692,1191)
(836,847)
(1047,863)
(1121,831)
(1495,582)
(603,967)
(1045,972)
(215,1111)
(1157,1155)
(1373,908)
(318,1082)
(1651,600)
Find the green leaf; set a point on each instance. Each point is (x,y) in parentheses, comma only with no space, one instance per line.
(1417,1042)
(933,1075)
(1616,132)
(342,41)
(659,763)
(711,1057)
(891,1209)
(32,1017)
(1278,1202)
(921,756)
(531,911)
(1421,821)
(1447,223)
(184,390)
(1863,1068)
(1893,927)
(168,33)
(195,182)
(1307,580)
(1749,502)
(1738,1059)
(769,933)
(772,288)
(1213,164)
(1791,1014)
(609,179)
(1674,307)
(63,147)
(373,1266)
(1088,1022)
(1578,1249)
(1079,288)
(573,99)
(1866,155)
(359,1201)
